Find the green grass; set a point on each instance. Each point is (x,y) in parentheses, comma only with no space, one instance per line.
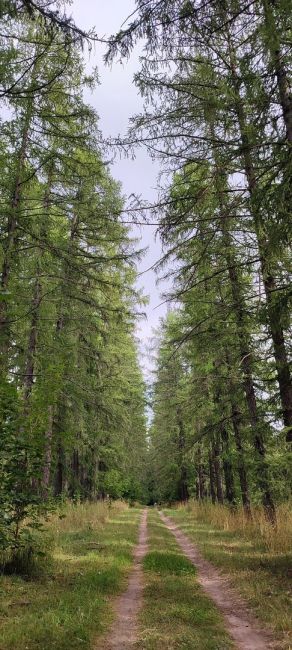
(262,577)
(70,607)
(176,613)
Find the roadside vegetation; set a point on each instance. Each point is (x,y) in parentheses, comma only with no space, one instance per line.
(176,612)
(67,603)
(256,556)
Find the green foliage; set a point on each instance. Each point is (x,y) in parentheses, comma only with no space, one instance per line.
(72,394)
(170,563)
(218,117)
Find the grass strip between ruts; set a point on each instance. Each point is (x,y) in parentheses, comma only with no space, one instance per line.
(176,612)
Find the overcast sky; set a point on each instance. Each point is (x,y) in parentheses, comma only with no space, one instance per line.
(116,100)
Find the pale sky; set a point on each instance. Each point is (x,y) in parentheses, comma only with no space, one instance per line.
(116,100)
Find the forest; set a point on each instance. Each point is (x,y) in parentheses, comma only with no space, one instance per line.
(82,429)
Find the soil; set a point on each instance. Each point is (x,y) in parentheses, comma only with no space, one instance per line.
(124,632)
(240,624)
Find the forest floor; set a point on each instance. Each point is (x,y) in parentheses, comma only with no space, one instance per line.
(124,578)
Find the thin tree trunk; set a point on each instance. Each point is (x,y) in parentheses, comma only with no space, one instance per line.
(226,462)
(8,246)
(60,476)
(60,470)
(236,423)
(183,485)
(235,415)
(217,469)
(201,477)
(274,49)
(212,478)
(227,467)
(243,337)
(48,454)
(32,344)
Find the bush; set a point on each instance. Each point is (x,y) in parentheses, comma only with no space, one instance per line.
(21,507)
(30,558)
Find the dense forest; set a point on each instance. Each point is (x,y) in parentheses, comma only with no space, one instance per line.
(72,393)
(218,117)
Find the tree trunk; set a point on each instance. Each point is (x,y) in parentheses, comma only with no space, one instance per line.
(60,470)
(76,466)
(236,423)
(32,344)
(183,483)
(201,476)
(183,486)
(243,336)
(274,49)
(217,469)
(60,477)
(48,454)
(274,312)
(227,467)
(241,461)
(212,478)
(8,246)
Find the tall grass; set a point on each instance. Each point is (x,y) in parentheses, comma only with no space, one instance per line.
(33,557)
(275,539)
(85,515)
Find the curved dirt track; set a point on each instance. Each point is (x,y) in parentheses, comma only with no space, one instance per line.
(123,634)
(239,623)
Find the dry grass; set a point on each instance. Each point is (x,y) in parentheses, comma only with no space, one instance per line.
(82,515)
(274,539)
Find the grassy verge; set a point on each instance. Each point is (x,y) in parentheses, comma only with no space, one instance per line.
(69,606)
(176,613)
(257,564)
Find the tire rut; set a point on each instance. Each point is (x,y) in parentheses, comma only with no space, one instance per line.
(239,622)
(124,631)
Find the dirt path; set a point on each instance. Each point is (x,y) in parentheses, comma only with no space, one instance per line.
(239,623)
(123,634)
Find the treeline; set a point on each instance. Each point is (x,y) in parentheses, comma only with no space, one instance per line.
(72,395)
(218,115)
